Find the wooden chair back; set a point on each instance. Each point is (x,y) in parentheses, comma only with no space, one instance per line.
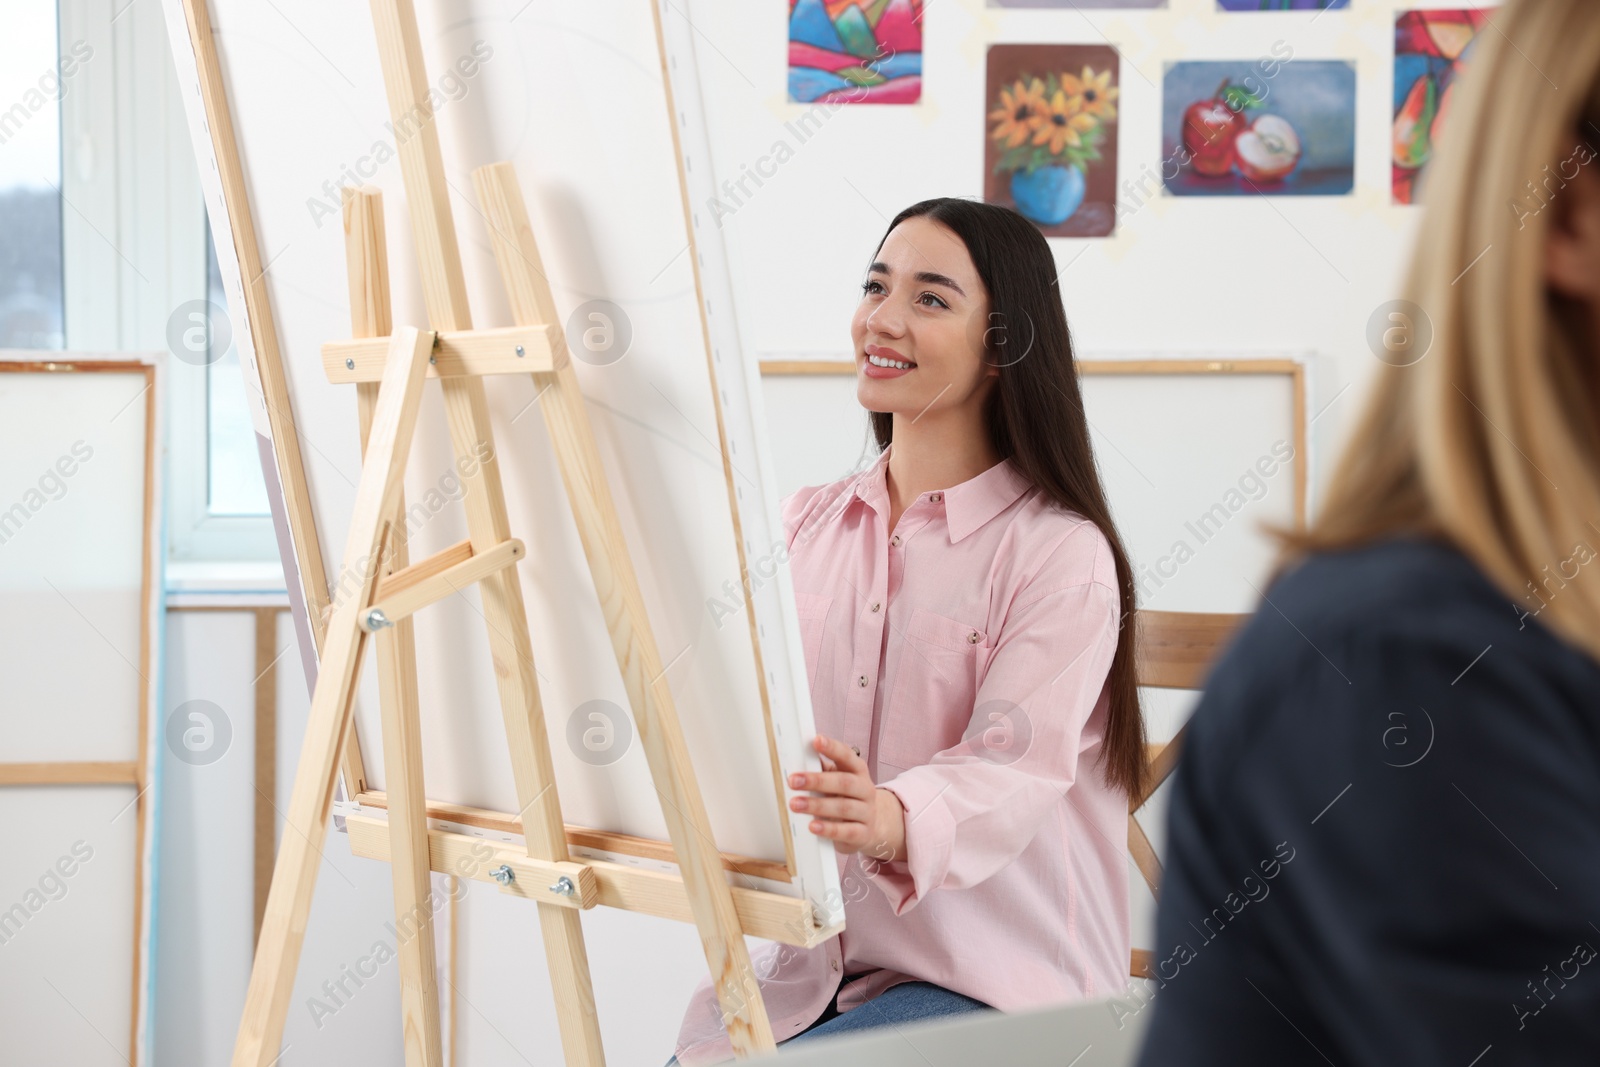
(1173,650)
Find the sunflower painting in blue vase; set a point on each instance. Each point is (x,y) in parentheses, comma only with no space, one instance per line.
(1051,146)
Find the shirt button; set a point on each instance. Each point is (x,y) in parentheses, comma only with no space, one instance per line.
(863,681)
(834,964)
(973,637)
(937,497)
(876,606)
(895,540)
(856,750)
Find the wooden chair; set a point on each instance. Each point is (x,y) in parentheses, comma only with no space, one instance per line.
(1173,650)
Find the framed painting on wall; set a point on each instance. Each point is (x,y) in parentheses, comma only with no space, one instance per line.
(1050,149)
(1430,50)
(1259,127)
(855,51)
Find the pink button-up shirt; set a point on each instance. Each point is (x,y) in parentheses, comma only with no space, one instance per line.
(965,653)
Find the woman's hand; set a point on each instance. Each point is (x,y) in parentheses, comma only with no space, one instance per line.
(847,808)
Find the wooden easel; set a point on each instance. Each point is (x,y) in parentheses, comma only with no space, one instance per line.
(390,365)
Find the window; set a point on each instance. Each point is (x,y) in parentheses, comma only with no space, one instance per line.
(31,85)
(217,499)
(135,258)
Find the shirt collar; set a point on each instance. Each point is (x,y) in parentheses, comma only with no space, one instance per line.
(966,506)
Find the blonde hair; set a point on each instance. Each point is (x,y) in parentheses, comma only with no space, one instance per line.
(1491,441)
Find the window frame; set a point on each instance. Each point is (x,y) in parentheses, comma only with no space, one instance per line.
(133,246)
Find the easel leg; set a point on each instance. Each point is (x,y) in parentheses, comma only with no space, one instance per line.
(367,260)
(542,826)
(408,837)
(294,876)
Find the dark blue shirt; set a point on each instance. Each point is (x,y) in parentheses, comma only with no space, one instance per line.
(1383,839)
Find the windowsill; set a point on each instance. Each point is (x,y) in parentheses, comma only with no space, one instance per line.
(226,583)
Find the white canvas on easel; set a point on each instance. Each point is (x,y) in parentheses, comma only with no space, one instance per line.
(606,225)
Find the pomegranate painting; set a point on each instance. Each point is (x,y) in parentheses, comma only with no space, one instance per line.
(1267,128)
(1050,152)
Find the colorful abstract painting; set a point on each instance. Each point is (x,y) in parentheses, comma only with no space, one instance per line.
(1430,48)
(1281,5)
(1265,127)
(855,51)
(1051,145)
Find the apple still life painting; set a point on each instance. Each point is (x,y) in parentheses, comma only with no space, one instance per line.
(1430,48)
(1264,127)
(855,51)
(1050,149)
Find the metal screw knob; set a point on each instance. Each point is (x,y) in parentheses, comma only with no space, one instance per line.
(377,620)
(503,874)
(349,364)
(520,352)
(564,886)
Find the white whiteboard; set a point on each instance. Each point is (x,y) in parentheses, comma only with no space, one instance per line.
(1193,465)
(80,582)
(71,539)
(608,216)
(1171,449)
(68,967)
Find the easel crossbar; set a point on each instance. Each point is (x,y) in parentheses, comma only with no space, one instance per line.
(430,588)
(582,836)
(456,354)
(618,885)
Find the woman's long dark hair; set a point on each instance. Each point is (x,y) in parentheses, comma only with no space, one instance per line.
(1035,418)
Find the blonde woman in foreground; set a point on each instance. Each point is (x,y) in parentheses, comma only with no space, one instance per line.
(1385,829)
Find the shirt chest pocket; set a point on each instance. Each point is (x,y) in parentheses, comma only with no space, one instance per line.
(929,705)
(812,608)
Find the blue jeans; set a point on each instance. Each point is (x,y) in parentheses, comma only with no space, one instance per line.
(904,1003)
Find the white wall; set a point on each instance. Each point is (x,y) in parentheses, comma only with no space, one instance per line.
(1297,277)
(1219,277)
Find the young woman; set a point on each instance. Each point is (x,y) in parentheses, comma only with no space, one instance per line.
(962,602)
(1384,834)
